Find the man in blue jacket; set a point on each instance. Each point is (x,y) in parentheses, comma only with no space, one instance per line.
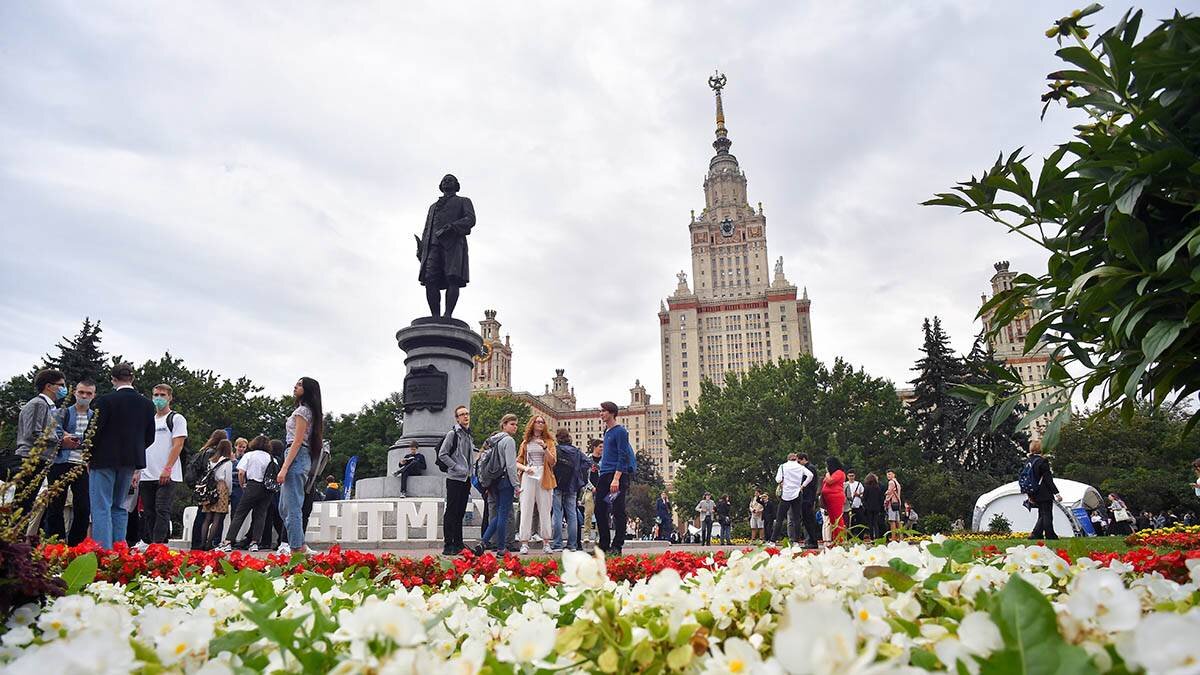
(617,465)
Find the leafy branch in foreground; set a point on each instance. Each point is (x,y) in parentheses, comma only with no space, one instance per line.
(1118,210)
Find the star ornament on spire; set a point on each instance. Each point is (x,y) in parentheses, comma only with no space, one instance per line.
(717,81)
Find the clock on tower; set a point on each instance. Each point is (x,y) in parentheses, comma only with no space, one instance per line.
(727,227)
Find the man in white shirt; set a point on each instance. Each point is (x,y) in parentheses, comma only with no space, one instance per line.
(793,477)
(163,472)
(854,501)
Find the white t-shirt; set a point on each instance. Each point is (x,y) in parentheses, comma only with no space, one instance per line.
(854,490)
(225,472)
(793,476)
(158,453)
(254,463)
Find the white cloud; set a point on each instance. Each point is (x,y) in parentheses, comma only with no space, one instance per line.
(240,184)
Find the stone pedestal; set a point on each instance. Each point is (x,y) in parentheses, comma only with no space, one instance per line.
(440,357)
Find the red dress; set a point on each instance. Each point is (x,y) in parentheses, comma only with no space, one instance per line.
(833,493)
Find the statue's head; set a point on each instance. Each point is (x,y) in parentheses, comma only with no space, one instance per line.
(449,183)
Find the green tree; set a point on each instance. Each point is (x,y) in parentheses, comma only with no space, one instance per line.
(368,433)
(1145,458)
(80,358)
(647,472)
(991,442)
(1117,210)
(487,409)
(736,436)
(938,415)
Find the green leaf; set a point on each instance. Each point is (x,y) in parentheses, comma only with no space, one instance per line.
(680,657)
(1128,200)
(1159,338)
(232,641)
(1102,271)
(894,578)
(1034,645)
(80,573)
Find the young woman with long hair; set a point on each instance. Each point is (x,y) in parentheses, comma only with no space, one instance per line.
(833,493)
(203,456)
(221,466)
(892,505)
(304,435)
(535,461)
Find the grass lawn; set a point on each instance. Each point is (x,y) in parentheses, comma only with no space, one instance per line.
(1074,546)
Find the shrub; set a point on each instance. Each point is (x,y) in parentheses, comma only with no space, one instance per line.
(999,524)
(934,523)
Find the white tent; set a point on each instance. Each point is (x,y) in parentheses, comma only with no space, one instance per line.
(1009,501)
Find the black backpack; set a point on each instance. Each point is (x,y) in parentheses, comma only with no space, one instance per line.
(1027,480)
(206,489)
(490,465)
(272,473)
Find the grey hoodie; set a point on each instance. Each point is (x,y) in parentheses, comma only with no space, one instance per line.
(455,452)
(509,447)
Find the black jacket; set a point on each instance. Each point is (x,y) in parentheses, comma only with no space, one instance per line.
(723,512)
(1045,481)
(124,429)
(566,467)
(810,491)
(873,498)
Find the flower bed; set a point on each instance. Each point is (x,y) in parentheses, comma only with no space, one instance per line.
(930,606)
(1178,537)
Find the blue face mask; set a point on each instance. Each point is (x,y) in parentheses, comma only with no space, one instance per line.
(160,402)
(62,392)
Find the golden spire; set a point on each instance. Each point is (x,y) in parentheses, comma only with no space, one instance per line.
(717,83)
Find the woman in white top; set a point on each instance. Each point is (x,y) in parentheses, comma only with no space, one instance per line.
(221,469)
(256,498)
(303,433)
(535,461)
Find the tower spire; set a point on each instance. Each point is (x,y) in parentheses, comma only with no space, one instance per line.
(717,83)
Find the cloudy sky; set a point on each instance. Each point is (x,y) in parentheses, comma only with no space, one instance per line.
(240,185)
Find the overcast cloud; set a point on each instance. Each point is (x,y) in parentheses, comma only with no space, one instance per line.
(240,184)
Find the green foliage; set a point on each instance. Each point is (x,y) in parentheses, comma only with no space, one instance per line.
(81,358)
(1144,458)
(1032,643)
(368,433)
(934,523)
(1117,209)
(80,572)
(999,524)
(949,432)
(487,409)
(736,436)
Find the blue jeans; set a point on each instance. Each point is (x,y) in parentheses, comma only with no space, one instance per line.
(291,498)
(498,527)
(107,490)
(565,501)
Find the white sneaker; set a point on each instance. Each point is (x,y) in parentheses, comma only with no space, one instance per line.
(536,537)
(141,547)
(254,548)
(524,549)
(548,550)
(225,548)
(284,549)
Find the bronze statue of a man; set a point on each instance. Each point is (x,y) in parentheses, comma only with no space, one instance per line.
(442,249)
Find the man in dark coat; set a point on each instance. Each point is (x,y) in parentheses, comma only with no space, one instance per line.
(124,423)
(442,249)
(1045,495)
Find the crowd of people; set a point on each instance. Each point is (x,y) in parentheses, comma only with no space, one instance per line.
(120,459)
(809,509)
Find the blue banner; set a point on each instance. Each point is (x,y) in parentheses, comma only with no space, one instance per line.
(348,479)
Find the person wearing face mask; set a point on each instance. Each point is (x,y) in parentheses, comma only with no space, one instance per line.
(39,417)
(162,472)
(73,421)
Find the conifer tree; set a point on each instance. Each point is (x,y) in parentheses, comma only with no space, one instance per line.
(939,416)
(993,445)
(80,358)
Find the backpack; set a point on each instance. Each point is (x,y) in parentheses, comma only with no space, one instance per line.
(206,489)
(318,467)
(490,465)
(1026,480)
(272,472)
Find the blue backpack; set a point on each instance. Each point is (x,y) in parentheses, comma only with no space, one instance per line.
(1025,480)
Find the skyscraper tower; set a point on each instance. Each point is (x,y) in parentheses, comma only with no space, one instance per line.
(738,312)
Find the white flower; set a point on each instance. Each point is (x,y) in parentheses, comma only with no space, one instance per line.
(736,655)
(1164,643)
(1100,596)
(531,641)
(869,615)
(83,655)
(18,636)
(815,637)
(979,634)
(189,638)
(376,618)
(581,570)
